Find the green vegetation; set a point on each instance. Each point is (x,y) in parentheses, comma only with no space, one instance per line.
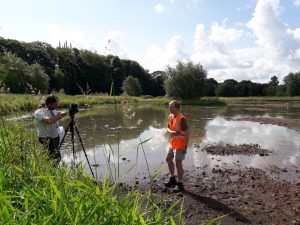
(37,67)
(131,86)
(27,103)
(186,81)
(260,99)
(33,191)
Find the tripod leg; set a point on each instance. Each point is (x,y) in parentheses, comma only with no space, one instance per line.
(84,151)
(63,137)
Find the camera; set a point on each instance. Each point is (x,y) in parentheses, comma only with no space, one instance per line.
(73,109)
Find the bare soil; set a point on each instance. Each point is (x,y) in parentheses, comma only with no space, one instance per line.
(228,149)
(245,195)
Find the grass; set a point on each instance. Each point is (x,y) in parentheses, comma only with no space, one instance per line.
(33,191)
(27,103)
(259,99)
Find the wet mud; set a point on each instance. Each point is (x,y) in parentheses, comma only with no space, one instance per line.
(229,149)
(246,196)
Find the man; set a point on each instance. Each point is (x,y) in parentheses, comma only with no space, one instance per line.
(179,136)
(48,127)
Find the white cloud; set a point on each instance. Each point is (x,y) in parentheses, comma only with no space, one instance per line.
(193,3)
(169,55)
(277,49)
(221,34)
(270,31)
(77,38)
(113,44)
(159,8)
(297,3)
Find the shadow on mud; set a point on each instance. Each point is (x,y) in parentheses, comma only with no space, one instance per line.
(218,206)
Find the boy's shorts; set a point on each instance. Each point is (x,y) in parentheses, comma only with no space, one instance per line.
(178,155)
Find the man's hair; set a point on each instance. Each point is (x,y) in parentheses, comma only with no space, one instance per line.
(51,99)
(175,103)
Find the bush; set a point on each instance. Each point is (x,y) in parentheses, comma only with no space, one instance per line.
(131,86)
(186,80)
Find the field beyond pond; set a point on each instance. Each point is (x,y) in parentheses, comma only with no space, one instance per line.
(13,103)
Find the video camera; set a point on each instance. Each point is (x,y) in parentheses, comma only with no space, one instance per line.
(73,109)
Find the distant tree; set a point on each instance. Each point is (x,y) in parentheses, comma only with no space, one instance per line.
(243,88)
(20,77)
(227,88)
(117,72)
(270,90)
(38,79)
(292,82)
(186,80)
(58,78)
(274,81)
(212,85)
(158,79)
(131,86)
(281,90)
(132,68)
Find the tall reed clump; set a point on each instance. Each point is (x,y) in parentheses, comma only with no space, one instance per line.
(33,191)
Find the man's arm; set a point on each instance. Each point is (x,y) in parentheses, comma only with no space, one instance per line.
(54,119)
(185,128)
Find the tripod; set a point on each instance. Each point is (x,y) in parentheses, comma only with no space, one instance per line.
(71,126)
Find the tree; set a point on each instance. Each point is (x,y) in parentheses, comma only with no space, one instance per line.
(212,84)
(132,68)
(117,72)
(186,80)
(274,81)
(292,82)
(20,77)
(38,79)
(227,88)
(131,86)
(158,79)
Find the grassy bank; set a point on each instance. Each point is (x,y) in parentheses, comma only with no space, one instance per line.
(33,191)
(27,103)
(260,99)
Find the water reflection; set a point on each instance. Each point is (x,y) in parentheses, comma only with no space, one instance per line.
(283,141)
(115,135)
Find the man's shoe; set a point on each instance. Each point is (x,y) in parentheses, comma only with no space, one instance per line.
(179,187)
(171,183)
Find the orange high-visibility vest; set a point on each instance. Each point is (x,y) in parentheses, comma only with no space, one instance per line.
(177,141)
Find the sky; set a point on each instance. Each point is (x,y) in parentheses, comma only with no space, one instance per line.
(232,39)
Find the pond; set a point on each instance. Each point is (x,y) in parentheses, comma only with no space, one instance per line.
(129,142)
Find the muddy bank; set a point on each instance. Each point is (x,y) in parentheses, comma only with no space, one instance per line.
(249,196)
(229,149)
(290,123)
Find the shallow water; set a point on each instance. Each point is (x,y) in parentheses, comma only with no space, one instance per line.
(112,136)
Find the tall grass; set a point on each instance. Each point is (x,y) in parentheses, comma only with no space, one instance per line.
(33,191)
(27,103)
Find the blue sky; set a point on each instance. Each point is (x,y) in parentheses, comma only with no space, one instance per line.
(250,39)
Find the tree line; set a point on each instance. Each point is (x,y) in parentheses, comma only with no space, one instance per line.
(37,67)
